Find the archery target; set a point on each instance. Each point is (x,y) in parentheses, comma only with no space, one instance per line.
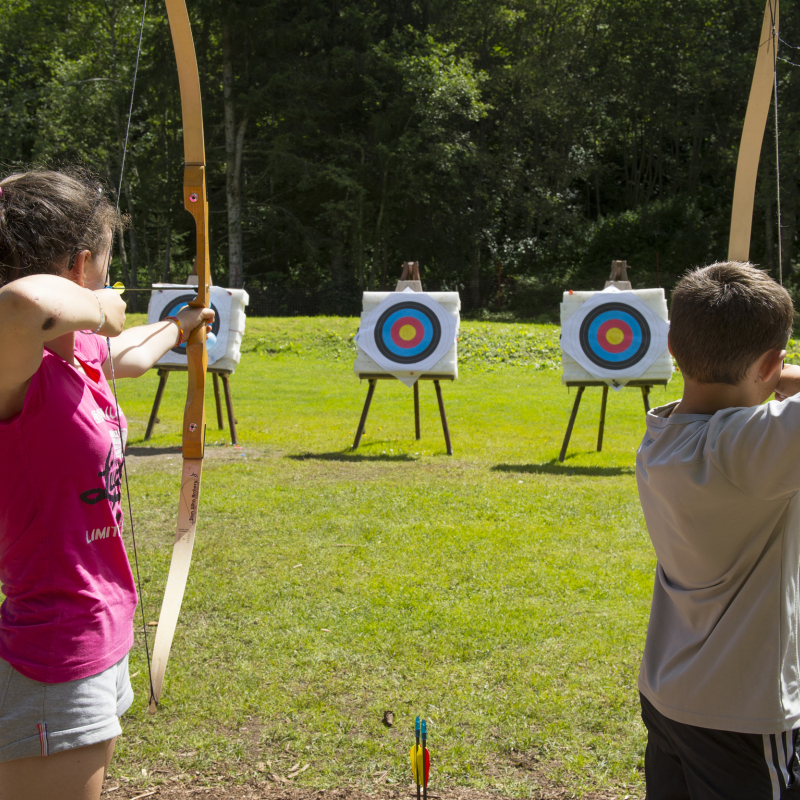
(614,335)
(407,333)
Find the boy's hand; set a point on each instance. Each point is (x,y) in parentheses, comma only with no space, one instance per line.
(789,382)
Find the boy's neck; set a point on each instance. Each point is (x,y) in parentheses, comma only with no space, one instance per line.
(708,398)
(757,386)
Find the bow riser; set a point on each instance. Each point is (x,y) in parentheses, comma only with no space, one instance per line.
(194,415)
(195,202)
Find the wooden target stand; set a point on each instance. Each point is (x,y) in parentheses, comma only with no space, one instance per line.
(618,278)
(374,377)
(409,278)
(163,374)
(645,386)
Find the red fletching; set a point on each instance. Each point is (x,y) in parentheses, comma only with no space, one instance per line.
(427,765)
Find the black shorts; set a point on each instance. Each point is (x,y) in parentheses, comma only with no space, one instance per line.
(684,762)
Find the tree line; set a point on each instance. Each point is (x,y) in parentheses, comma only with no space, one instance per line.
(530,140)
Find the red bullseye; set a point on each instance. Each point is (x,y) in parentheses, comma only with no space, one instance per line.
(407,332)
(607,333)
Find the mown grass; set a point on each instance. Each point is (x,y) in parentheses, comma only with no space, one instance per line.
(498,593)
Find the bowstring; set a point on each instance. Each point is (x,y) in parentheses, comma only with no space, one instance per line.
(111,359)
(777,136)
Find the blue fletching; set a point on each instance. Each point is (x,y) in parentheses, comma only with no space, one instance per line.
(416,727)
(424,731)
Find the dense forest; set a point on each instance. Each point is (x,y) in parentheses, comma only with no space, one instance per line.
(527,142)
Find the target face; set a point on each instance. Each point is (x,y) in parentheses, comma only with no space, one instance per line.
(407,333)
(615,336)
(172,310)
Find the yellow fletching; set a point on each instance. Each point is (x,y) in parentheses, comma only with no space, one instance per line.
(416,762)
(120,287)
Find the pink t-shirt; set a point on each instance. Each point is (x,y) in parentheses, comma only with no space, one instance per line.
(70,594)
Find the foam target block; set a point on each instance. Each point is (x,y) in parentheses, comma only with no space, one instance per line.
(224,342)
(615,336)
(406,331)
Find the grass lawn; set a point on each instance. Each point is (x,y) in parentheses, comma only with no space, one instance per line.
(498,593)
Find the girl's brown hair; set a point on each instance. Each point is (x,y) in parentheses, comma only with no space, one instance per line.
(48,217)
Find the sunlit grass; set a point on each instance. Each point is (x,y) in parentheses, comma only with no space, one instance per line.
(498,593)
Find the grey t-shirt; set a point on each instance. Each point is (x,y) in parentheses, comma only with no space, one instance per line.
(720,498)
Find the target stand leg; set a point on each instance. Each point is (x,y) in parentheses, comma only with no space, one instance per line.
(162,382)
(571,424)
(363,420)
(646,398)
(602,419)
(444,418)
(220,423)
(416,411)
(226,387)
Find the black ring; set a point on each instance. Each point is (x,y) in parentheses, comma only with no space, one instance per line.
(415,359)
(615,365)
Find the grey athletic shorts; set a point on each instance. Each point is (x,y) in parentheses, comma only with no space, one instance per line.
(38,719)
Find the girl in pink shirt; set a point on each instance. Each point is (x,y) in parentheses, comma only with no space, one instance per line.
(66,622)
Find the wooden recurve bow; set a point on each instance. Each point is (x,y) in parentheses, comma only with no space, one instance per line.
(194,420)
(755,122)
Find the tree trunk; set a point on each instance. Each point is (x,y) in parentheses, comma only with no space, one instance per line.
(475,271)
(165,274)
(234,143)
(788,229)
(134,266)
(123,256)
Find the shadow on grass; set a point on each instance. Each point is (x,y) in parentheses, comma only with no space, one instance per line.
(151,451)
(554,467)
(350,456)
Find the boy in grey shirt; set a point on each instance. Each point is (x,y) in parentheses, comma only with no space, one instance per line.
(719,482)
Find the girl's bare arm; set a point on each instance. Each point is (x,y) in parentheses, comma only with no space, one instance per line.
(38,309)
(136,350)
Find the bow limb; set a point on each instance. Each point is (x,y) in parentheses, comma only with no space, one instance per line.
(755,122)
(194,419)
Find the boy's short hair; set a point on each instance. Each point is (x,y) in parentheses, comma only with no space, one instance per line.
(724,317)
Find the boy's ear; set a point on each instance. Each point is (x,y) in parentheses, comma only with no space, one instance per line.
(669,345)
(770,361)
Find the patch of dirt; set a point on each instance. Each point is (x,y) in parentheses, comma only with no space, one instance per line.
(162,456)
(258,790)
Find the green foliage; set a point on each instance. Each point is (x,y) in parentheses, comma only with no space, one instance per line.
(481,345)
(552,137)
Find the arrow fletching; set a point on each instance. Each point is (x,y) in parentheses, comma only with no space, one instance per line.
(427,766)
(417,764)
(120,287)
